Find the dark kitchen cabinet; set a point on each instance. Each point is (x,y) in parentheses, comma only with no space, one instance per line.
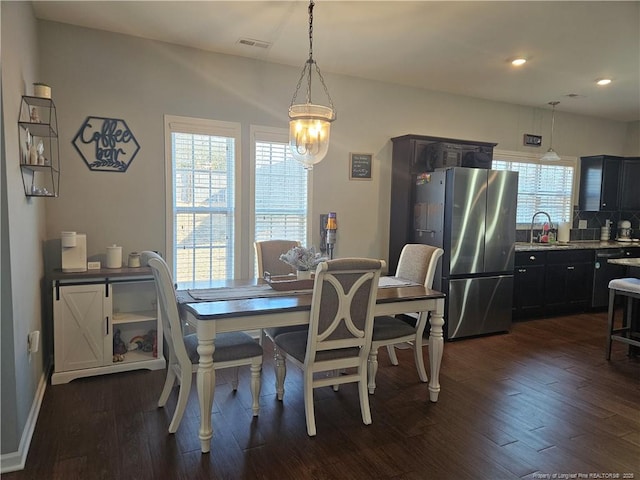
(599,183)
(412,155)
(529,281)
(568,280)
(629,181)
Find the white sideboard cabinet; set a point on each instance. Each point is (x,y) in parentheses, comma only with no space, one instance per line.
(105,321)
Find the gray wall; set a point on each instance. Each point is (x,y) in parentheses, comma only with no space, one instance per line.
(23,233)
(102,74)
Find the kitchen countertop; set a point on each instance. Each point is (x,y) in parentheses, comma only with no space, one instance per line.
(627,262)
(577,245)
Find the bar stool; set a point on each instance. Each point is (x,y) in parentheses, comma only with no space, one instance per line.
(630,288)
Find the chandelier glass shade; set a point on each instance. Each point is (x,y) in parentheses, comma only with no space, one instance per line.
(309,123)
(551,155)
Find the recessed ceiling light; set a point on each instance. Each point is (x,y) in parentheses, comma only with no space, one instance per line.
(603,81)
(516,62)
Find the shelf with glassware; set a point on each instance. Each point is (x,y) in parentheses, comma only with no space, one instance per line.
(39,148)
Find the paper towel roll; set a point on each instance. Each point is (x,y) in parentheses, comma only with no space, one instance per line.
(68,239)
(114,257)
(564,229)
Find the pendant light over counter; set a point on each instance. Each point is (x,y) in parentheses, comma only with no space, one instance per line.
(310,124)
(551,155)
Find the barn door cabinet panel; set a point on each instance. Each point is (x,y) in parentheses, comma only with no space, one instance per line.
(105,321)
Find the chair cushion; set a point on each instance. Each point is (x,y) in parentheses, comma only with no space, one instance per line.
(272,333)
(229,346)
(631,285)
(386,328)
(295,344)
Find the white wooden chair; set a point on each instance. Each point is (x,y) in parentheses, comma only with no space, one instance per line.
(339,333)
(418,264)
(232,349)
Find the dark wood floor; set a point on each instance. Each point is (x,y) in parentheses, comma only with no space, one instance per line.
(540,400)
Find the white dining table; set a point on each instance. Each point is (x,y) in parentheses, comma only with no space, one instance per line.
(230,306)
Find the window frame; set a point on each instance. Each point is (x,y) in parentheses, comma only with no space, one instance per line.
(202,126)
(534,157)
(259,133)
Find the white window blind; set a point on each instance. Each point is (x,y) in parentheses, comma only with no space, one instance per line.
(280,193)
(203,206)
(546,187)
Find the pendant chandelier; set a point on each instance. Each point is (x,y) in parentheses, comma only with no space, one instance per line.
(309,124)
(551,155)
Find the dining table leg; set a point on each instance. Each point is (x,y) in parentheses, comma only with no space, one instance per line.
(206,381)
(436,346)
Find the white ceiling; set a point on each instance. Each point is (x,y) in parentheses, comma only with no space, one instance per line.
(451,46)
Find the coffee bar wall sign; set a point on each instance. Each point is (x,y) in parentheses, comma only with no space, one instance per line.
(106,144)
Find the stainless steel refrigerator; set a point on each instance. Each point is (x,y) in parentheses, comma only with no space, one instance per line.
(471,214)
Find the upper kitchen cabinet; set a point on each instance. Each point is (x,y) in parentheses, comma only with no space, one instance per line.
(629,195)
(413,154)
(599,183)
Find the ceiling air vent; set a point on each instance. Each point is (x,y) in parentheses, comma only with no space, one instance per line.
(254,43)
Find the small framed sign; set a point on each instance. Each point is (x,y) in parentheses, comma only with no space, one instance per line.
(360,166)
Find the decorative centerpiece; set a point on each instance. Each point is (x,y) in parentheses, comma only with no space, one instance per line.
(304,260)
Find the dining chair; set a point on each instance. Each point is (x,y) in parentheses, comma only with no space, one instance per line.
(268,253)
(232,349)
(339,334)
(418,264)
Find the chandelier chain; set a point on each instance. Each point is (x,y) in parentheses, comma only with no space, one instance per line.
(306,70)
(311,5)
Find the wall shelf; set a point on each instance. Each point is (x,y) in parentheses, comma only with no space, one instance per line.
(39,148)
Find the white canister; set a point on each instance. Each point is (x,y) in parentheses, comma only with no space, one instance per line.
(41,90)
(114,256)
(134,260)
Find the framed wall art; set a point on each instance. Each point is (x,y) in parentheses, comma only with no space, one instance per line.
(360,166)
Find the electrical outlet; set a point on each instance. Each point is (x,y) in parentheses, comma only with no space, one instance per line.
(582,224)
(33,341)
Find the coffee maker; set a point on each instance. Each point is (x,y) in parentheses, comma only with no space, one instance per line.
(74,252)
(624,231)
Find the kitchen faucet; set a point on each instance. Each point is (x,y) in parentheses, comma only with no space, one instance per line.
(533,219)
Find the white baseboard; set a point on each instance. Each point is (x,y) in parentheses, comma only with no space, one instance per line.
(11,462)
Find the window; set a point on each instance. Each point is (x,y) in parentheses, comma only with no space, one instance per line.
(203,159)
(541,186)
(281,185)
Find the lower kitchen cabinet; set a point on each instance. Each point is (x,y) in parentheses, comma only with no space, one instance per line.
(104,322)
(528,285)
(552,282)
(568,280)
